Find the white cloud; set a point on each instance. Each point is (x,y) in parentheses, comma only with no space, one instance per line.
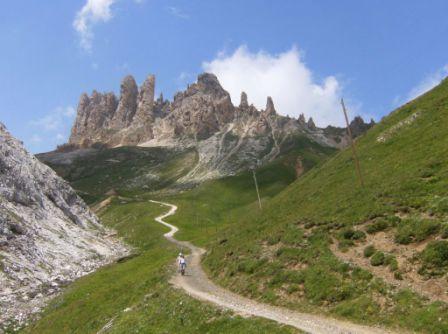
(183,79)
(176,11)
(123,67)
(52,129)
(92,12)
(284,77)
(428,83)
(35,139)
(56,119)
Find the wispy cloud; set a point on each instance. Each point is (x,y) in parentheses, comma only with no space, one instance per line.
(429,82)
(183,79)
(123,67)
(176,11)
(55,119)
(93,12)
(53,128)
(283,76)
(35,139)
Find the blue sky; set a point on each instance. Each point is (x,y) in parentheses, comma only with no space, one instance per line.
(376,54)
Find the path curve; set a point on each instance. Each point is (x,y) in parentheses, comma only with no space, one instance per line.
(197,285)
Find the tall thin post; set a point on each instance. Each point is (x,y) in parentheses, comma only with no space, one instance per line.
(256,187)
(352,144)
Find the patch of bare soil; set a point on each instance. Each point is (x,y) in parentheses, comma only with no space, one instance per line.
(97,208)
(269,251)
(433,288)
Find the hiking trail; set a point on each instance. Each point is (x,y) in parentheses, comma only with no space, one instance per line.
(199,286)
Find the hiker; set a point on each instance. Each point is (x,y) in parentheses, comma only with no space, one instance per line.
(182,263)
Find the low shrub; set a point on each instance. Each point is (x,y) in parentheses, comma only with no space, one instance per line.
(392,262)
(444,233)
(322,285)
(377,259)
(393,220)
(440,205)
(398,275)
(435,254)
(416,230)
(369,251)
(377,226)
(351,234)
(250,266)
(345,244)
(361,274)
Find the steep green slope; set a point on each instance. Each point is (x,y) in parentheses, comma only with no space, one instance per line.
(283,255)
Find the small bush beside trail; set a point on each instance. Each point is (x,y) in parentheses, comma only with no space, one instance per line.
(416,230)
(377,259)
(369,251)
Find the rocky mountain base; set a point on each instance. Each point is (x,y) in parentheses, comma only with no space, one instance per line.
(48,236)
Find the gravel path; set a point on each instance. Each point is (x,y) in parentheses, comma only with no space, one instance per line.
(197,285)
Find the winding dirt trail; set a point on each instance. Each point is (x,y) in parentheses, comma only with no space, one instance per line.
(197,285)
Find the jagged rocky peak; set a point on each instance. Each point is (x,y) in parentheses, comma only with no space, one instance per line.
(358,126)
(311,125)
(202,110)
(127,106)
(243,101)
(270,109)
(145,105)
(93,113)
(199,112)
(208,83)
(48,235)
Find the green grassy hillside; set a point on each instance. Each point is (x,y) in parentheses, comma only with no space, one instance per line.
(323,243)
(139,285)
(133,296)
(131,171)
(125,170)
(210,208)
(283,255)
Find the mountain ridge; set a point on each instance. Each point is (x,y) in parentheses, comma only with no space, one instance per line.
(228,138)
(200,111)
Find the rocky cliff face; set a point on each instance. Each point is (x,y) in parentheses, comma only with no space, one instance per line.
(48,236)
(202,116)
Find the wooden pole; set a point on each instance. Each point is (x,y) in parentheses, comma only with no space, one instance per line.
(352,144)
(256,188)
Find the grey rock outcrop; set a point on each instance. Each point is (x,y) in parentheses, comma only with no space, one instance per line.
(145,107)
(270,109)
(311,125)
(243,102)
(202,116)
(203,109)
(94,114)
(48,236)
(358,126)
(127,107)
